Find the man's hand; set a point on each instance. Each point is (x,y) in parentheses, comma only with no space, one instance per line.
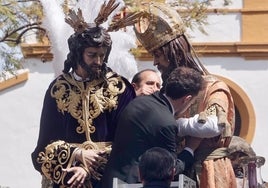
(88,157)
(144,91)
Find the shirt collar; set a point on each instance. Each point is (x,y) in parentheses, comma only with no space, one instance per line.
(79,78)
(76,77)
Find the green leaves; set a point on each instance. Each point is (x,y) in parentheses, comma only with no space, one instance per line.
(17,17)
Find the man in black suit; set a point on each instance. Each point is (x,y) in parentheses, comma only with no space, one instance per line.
(148,121)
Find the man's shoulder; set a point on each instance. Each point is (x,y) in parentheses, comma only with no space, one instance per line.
(59,78)
(113,75)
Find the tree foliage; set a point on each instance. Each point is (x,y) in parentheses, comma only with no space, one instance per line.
(17,19)
(193,12)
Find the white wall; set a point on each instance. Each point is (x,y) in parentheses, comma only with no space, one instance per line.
(20,108)
(218,28)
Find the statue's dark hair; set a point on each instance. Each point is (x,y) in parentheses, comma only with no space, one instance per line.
(93,36)
(179,53)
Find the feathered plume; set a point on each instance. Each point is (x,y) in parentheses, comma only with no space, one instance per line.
(105,11)
(76,21)
(128,20)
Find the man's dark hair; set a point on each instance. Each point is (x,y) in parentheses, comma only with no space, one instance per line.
(137,77)
(183,81)
(93,36)
(157,164)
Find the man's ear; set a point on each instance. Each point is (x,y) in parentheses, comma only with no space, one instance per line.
(134,86)
(187,98)
(173,173)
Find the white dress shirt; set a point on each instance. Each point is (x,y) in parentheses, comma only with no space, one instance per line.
(191,127)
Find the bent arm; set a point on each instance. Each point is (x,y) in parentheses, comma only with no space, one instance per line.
(191,127)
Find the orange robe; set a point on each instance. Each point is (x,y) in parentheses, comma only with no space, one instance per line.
(215,169)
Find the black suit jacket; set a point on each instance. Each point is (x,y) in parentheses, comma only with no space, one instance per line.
(146,122)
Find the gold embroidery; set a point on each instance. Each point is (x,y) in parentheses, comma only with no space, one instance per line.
(84,101)
(54,158)
(57,156)
(87,100)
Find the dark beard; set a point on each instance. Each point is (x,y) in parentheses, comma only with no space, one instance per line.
(94,74)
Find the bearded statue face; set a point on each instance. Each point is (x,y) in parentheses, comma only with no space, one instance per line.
(163,64)
(92,65)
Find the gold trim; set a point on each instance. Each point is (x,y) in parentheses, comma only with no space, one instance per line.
(228,11)
(239,49)
(247,50)
(14,80)
(255,10)
(85,101)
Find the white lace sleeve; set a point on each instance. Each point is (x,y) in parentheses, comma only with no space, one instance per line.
(191,127)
